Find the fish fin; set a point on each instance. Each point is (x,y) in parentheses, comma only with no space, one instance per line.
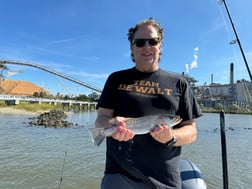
(96,135)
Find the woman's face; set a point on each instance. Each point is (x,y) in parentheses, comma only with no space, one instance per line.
(146,52)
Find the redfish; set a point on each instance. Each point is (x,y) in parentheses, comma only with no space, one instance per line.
(141,125)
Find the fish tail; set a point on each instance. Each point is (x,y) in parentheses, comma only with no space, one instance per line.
(96,135)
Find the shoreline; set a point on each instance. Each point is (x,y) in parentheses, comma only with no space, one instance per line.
(10,110)
(15,111)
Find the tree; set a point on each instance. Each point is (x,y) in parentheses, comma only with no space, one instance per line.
(42,94)
(234,107)
(83,98)
(218,106)
(36,94)
(66,97)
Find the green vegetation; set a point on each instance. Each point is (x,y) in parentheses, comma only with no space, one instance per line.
(32,107)
(219,106)
(36,107)
(42,94)
(234,109)
(2,104)
(81,97)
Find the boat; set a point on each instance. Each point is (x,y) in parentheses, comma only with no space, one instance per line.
(191,176)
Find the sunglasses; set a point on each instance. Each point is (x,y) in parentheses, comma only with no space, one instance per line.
(141,42)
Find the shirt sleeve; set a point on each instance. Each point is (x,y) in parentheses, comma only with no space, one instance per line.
(108,94)
(189,107)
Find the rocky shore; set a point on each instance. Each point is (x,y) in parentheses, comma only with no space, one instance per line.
(55,118)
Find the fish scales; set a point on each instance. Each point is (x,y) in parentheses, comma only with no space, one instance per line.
(141,125)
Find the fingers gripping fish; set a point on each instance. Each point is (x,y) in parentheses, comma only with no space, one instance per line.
(141,125)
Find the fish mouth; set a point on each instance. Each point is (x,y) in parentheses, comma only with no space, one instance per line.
(177,121)
(174,119)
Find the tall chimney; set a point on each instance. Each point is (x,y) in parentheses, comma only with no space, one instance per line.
(211,78)
(232,73)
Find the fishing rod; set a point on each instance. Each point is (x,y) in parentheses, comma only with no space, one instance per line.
(237,38)
(224,150)
(64,160)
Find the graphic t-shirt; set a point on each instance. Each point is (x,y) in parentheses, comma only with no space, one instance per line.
(131,93)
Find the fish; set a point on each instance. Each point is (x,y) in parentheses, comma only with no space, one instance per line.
(139,126)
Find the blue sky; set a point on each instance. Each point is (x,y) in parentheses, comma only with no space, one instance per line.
(87,39)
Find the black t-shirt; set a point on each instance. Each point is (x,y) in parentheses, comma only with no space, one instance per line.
(131,93)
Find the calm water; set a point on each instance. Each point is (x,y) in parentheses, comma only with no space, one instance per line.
(33,157)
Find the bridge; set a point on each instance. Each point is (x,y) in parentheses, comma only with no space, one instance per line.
(78,105)
(4,62)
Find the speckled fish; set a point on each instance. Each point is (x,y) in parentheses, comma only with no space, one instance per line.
(141,125)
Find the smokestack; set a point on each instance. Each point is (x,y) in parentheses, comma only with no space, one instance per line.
(211,78)
(232,73)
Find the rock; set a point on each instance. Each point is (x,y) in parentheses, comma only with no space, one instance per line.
(54,118)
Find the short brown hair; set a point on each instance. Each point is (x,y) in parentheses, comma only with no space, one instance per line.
(149,21)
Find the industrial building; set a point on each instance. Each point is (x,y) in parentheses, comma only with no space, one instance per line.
(239,93)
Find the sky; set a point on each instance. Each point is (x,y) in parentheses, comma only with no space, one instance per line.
(87,39)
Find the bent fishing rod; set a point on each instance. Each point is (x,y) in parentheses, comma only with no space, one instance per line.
(237,38)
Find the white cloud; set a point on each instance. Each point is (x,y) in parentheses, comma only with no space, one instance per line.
(187,68)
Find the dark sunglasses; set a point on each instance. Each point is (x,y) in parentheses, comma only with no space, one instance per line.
(142,42)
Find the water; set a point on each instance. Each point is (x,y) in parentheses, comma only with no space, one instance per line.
(37,157)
